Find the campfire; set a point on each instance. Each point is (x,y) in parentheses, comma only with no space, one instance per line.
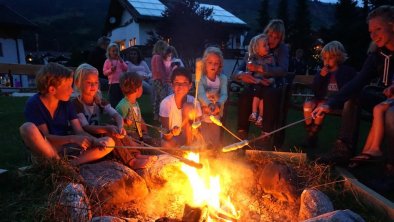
(208,196)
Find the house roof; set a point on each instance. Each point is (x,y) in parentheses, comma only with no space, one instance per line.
(221,15)
(154,8)
(12,19)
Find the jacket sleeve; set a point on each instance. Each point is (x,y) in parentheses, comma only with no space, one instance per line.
(282,63)
(202,96)
(223,89)
(147,70)
(123,66)
(107,67)
(356,84)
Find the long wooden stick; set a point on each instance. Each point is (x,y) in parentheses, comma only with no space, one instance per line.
(182,159)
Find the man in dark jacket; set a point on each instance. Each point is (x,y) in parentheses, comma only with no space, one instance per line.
(97,58)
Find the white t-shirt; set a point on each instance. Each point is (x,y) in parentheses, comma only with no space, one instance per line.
(169,109)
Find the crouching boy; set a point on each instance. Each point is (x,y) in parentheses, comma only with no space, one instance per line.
(177,111)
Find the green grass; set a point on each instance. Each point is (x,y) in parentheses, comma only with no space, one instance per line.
(14,154)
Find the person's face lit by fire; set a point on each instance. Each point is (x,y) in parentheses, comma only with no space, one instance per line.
(274,38)
(63,91)
(212,65)
(262,47)
(90,84)
(381,32)
(181,86)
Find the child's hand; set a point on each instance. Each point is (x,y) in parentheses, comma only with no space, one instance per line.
(265,82)
(324,71)
(100,143)
(83,141)
(389,91)
(127,122)
(206,110)
(176,131)
(113,68)
(216,109)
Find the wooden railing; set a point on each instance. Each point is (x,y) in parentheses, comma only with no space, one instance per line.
(24,73)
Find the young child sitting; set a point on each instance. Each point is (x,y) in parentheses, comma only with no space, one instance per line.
(90,106)
(212,94)
(177,110)
(128,108)
(333,76)
(259,56)
(114,66)
(49,115)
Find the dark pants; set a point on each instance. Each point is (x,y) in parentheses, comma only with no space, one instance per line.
(272,101)
(389,133)
(115,94)
(350,121)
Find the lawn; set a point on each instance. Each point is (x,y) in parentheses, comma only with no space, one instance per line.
(14,154)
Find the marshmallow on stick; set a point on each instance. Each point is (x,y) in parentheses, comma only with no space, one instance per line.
(199,66)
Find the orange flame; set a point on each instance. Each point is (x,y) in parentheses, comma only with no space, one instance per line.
(207,192)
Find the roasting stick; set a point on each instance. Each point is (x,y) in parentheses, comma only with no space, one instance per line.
(219,123)
(182,159)
(199,65)
(239,145)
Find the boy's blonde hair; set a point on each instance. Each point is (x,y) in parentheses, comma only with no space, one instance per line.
(112,45)
(276,26)
(51,74)
(386,12)
(159,47)
(336,49)
(252,48)
(80,73)
(216,51)
(129,82)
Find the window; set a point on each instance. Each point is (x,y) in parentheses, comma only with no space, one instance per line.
(122,45)
(132,42)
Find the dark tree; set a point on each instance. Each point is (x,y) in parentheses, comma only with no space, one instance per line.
(190,28)
(350,29)
(264,16)
(300,37)
(377,3)
(283,12)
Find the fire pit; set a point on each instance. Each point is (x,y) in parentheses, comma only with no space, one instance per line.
(251,186)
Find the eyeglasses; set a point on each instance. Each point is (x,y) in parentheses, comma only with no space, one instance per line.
(180,84)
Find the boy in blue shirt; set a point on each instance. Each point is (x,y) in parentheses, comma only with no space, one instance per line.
(51,117)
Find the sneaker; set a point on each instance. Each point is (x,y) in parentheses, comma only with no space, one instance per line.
(253,117)
(259,121)
(340,154)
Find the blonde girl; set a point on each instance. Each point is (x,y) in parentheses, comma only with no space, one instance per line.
(90,106)
(212,94)
(114,66)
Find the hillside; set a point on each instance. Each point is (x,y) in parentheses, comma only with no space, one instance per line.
(75,25)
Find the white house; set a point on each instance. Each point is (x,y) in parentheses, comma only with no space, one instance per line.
(129,21)
(11,44)
(12,50)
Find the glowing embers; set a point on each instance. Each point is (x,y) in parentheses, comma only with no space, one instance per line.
(208,195)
